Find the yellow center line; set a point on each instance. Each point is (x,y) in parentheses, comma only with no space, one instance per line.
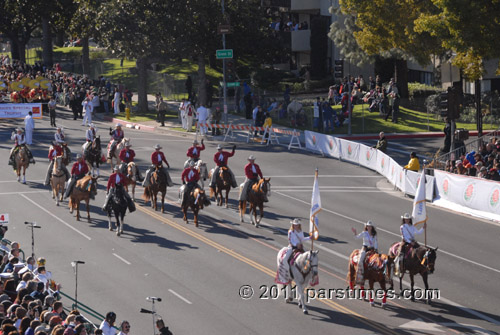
(262,268)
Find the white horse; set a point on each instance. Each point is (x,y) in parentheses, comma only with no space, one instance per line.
(115,159)
(304,271)
(201,166)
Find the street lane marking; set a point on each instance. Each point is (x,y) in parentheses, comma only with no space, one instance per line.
(55,217)
(15,181)
(180,297)
(261,268)
(337,191)
(122,259)
(27,192)
(322,176)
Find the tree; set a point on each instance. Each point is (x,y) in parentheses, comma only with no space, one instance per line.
(468,28)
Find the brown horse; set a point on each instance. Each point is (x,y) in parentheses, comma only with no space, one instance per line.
(158,184)
(420,260)
(256,200)
(196,199)
(131,179)
(376,269)
(116,153)
(66,157)
(22,162)
(57,180)
(222,183)
(85,188)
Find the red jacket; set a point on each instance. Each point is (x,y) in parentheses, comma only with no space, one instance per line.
(123,155)
(154,158)
(225,157)
(195,176)
(79,169)
(249,173)
(112,180)
(55,151)
(198,149)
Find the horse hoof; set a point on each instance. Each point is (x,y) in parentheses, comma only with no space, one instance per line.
(372,304)
(117,232)
(57,203)
(305,311)
(288,300)
(226,206)
(428,302)
(384,305)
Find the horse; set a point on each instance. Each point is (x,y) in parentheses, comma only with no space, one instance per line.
(376,269)
(66,157)
(22,162)
(158,184)
(117,205)
(256,200)
(421,260)
(222,183)
(304,272)
(201,166)
(85,188)
(116,153)
(131,179)
(58,179)
(94,155)
(196,199)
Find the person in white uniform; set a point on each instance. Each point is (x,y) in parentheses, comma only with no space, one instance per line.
(296,239)
(29,126)
(87,112)
(370,243)
(408,232)
(116,102)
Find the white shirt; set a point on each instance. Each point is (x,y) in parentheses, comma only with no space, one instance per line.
(254,170)
(90,135)
(195,151)
(29,124)
(107,329)
(190,174)
(368,240)
(87,106)
(221,157)
(117,97)
(117,178)
(202,113)
(254,113)
(59,137)
(159,158)
(95,101)
(20,139)
(409,231)
(316,109)
(22,284)
(52,104)
(296,237)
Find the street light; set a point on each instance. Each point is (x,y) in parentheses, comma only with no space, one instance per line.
(74,264)
(33,225)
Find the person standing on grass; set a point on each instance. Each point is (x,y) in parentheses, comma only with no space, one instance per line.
(162,109)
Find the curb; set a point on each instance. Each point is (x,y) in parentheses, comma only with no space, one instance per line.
(130,124)
(405,135)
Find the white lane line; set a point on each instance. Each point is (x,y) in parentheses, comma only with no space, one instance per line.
(122,259)
(308,187)
(391,233)
(338,191)
(27,192)
(15,181)
(321,176)
(55,217)
(180,297)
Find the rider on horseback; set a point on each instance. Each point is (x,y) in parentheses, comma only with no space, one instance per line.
(59,136)
(194,152)
(116,180)
(90,137)
(252,172)
(408,232)
(78,171)
(295,239)
(220,159)
(127,155)
(191,176)
(19,141)
(157,159)
(370,243)
(55,150)
(117,136)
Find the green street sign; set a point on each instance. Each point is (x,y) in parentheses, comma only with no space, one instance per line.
(224,53)
(233,84)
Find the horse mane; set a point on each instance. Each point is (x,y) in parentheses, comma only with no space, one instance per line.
(84,182)
(256,186)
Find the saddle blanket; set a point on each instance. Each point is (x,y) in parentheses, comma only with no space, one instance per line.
(283,275)
(395,247)
(372,261)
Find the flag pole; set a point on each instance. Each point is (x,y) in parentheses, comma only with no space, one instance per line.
(425,223)
(310,218)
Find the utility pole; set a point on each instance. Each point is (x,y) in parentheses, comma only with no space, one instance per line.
(224,69)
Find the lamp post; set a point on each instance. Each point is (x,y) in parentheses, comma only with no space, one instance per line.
(74,264)
(32,225)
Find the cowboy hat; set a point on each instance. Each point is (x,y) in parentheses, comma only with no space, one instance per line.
(116,168)
(192,163)
(157,147)
(369,223)
(118,125)
(78,156)
(219,147)
(406,216)
(19,129)
(251,158)
(128,144)
(295,222)
(195,141)
(92,125)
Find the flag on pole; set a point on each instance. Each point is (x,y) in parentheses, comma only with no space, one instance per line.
(419,213)
(315,209)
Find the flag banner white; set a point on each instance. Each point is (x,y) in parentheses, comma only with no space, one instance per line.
(419,212)
(383,161)
(395,174)
(13,111)
(325,144)
(315,209)
(349,151)
(475,193)
(368,156)
(411,182)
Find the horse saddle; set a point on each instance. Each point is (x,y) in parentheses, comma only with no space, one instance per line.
(293,257)
(374,261)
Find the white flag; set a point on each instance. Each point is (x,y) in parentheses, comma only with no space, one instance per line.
(315,209)
(419,213)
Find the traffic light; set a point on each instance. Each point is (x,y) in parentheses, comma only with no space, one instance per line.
(230,71)
(454,103)
(443,104)
(339,68)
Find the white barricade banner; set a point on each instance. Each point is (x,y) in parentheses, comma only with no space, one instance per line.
(349,151)
(413,179)
(368,156)
(474,193)
(383,163)
(13,111)
(328,145)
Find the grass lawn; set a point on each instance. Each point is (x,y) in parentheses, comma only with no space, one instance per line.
(149,116)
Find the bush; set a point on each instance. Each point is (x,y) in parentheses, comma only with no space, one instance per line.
(99,54)
(267,78)
(417,90)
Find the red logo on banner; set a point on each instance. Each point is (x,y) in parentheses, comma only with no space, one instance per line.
(445,186)
(331,144)
(35,110)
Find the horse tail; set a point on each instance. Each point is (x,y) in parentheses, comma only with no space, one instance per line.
(147,194)
(351,270)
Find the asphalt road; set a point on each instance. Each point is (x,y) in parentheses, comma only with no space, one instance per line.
(198,272)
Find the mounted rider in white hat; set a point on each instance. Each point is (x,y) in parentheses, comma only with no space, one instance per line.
(19,141)
(157,159)
(296,239)
(90,136)
(408,232)
(194,152)
(220,158)
(370,243)
(117,136)
(252,173)
(117,180)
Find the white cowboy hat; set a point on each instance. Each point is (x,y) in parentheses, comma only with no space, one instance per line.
(251,158)
(219,147)
(59,128)
(157,147)
(19,129)
(78,156)
(116,168)
(92,125)
(295,222)
(192,163)
(195,142)
(406,216)
(369,223)
(128,144)
(118,125)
